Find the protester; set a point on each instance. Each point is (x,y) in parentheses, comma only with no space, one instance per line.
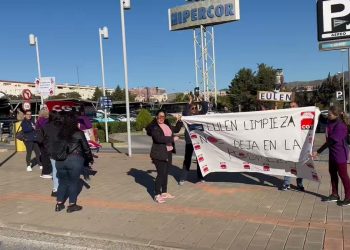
(286,182)
(43,119)
(161,152)
(191,109)
(336,134)
(30,141)
(70,169)
(50,136)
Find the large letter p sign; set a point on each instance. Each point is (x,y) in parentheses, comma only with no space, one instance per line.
(328,15)
(339,95)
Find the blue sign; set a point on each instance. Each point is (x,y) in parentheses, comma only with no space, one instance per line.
(105,102)
(340,44)
(203,13)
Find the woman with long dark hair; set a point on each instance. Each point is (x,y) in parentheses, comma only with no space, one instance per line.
(336,135)
(161,152)
(50,136)
(70,169)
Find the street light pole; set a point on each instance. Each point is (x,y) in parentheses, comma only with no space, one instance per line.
(344,100)
(126,4)
(33,40)
(103,33)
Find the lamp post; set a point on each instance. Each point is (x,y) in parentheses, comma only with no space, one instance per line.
(103,34)
(344,100)
(125,4)
(33,40)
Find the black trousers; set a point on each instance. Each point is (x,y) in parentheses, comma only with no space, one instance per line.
(30,146)
(188,160)
(45,160)
(161,182)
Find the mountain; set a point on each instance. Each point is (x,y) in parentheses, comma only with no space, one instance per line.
(313,82)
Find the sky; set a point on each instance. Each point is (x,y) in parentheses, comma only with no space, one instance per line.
(281,34)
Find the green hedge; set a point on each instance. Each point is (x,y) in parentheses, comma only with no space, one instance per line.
(115,127)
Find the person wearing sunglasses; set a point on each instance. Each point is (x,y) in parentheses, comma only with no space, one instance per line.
(163,147)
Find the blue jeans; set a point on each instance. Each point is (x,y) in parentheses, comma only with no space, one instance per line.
(287,179)
(54,175)
(68,174)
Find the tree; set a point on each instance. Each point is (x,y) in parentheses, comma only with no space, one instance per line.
(181,97)
(246,84)
(73,95)
(143,119)
(241,89)
(97,94)
(326,92)
(119,95)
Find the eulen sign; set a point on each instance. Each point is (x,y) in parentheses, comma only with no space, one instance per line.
(275,96)
(333,19)
(205,13)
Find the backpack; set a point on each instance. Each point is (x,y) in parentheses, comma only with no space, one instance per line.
(61,152)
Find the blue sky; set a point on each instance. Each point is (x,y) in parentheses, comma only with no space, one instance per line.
(282,34)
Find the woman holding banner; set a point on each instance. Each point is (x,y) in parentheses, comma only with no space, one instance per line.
(336,134)
(161,152)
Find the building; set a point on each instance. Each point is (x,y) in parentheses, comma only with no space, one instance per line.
(145,94)
(16,88)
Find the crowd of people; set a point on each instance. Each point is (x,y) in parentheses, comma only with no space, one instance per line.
(163,146)
(62,152)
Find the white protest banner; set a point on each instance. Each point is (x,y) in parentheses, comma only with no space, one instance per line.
(45,86)
(273,142)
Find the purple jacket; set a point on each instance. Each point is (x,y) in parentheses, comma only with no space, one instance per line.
(336,134)
(41,122)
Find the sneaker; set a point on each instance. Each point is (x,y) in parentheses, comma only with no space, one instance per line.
(201,181)
(345,202)
(285,187)
(167,196)
(41,167)
(331,198)
(159,199)
(59,207)
(181,182)
(46,176)
(54,193)
(301,188)
(29,169)
(73,208)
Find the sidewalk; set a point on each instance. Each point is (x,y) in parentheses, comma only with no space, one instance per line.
(230,211)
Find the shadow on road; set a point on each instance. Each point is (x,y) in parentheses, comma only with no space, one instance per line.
(144,179)
(8,158)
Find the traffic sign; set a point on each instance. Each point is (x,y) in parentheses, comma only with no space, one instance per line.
(26,94)
(339,95)
(26,105)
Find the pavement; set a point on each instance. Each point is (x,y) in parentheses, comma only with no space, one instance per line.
(229,211)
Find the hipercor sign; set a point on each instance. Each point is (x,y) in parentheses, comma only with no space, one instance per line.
(205,13)
(333,19)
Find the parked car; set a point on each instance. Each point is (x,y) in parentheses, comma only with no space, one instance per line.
(322,122)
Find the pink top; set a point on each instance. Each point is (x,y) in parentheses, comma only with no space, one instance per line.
(167,132)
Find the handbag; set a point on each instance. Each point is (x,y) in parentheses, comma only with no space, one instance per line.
(20,135)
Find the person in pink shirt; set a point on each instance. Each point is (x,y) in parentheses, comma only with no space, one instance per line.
(161,152)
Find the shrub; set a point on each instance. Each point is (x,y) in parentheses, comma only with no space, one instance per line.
(143,119)
(101,135)
(115,127)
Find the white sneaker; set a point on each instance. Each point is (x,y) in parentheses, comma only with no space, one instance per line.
(29,169)
(41,167)
(46,176)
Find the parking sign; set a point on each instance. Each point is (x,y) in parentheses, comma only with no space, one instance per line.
(333,19)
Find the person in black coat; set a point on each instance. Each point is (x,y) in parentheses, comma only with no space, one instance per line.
(70,169)
(191,109)
(161,152)
(30,141)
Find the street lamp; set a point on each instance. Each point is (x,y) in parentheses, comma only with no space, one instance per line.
(344,100)
(33,40)
(103,34)
(125,4)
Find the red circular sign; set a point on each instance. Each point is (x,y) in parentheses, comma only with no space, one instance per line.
(26,106)
(26,94)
